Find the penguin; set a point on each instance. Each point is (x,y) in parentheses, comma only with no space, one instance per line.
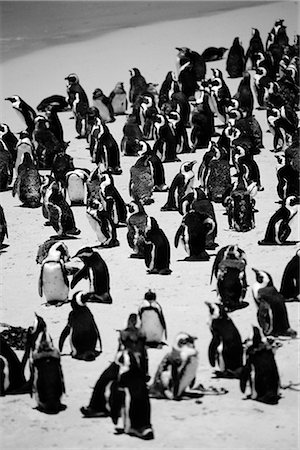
(9,139)
(260,371)
(283,123)
(213,53)
(169,86)
(83,330)
(225,348)
(290,284)
(229,268)
(181,186)
(177,370)
(192,233)
(3,226)
(141,182)
(61,165)
(201,204)
(157,249)
(138,85)
(24,111)
(118,99)
(187,80)
(132,134)
(216,175)
(76,185)
(46,190)
(61,216)
(55,125)
(58,100)
(102,223)
(153,323)
(115,204)
(239,204)
(136,226)
(197,62)
(180,103)
(53,280)
(280,224)
(104,106)
(46,144)
(202,122)
(272,313)
(165,144)
(245,163)
(179,129)
(47,377)
(255,46)
(6,167)
(79,103)
(235,63)
(244,94)
(12,379)
(96,270)
(28,183)
(24,145)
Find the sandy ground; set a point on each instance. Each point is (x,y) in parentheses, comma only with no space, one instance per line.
(219,422)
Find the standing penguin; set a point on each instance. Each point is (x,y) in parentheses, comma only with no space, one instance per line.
(12,379)
(28,183)
(104,106)
(225,348)
(192,233)
(201,204)
(9,140)
(132,134)
(138,85)
(78,100)
(272,314)
(202,122)
(46,144)
(153,323)
(216,175)
(166,143)
(181,186)
(255,46)
(235,63)
(83,330)
(157,252)
(168,87)
(24,111)
(3,226)
(6,167)
(96,270)
(177,370)
(141,176)
(260,371)
(281,223)
(290,283)
(24,145)
(53,280)
(102,223)
(136,226)
(244,94)
(118,99)
(115,204)
(76,185)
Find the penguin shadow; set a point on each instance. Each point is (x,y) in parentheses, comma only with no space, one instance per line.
(63,237)
(270,244)
(22,205)
(3,247)
(196,259)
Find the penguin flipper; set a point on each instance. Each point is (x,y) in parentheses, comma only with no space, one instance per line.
(64,272)
(82,273)
(98,337)
(244,377)
(40,285)
(15,187)
(178,235)
(212,351)
(64,334)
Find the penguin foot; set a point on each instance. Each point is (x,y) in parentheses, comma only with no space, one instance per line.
(165,271)
(145,433)
(73,232)
(234,307)
(201,257)
(110,244)
(47,224)
(137,256)
(266,243)
(168,208)
(211,246)
(161,188)
(115,170)
(90,412)
(153,272)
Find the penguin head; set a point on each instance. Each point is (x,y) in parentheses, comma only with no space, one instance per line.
(187,166)
(236,42)
(263,278)
(217,73)
(79,299)
(41,123)
(92,113)
(37,333)
(98,93)
(184,343)
(24,135)
(150,296)
(84,253)
(255,32)
(255,339)
(291,201)
(144,148)
(15,100)
(72,78)
(4,129)
(216,311)
(134,72)
(135,206)
(132,320)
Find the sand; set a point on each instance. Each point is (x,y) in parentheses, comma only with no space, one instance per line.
(219,422)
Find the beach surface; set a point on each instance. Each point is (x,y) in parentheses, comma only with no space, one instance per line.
(216,422)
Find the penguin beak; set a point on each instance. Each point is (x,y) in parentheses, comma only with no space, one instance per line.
(191,165)
(255,271)
(10,99)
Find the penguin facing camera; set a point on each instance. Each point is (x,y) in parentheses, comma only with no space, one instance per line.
(136,227)
(76,186)
(83,330)
(152,320)
(104,106)
(118,99)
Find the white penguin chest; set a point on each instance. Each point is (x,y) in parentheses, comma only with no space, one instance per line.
(54,286)
(76,191)
(151,326)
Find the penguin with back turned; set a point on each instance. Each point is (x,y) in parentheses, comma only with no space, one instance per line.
(83,330)
(235,63)
(290,283)
(138,85)
(153,323)
(157,249)
(28,183)
(255,46)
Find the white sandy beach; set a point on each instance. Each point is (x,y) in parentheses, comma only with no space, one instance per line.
(219,422)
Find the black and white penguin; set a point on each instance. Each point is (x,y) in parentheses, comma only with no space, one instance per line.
(178,126)
(141,182)
(62,163)
(244,94)
(196,61)
(6,167)
(61,216)
(272,313)
(96,270)
(47,378)
(12,379)
(83,330)
(24,145)
(28,183)
(3,226)
(78,100)
(213,53)
(152,320)
(138,85)
(202,121)
(115,204)
(25,112)
(229,268)
(225,349)
(55,125)
(200,203)
(214,173)
(177,370)
(245,163)
(102,223)
(136,226)
(260,370)
(165,144)
(104,106)
(281,223)
(9,139)
(290,283)
(255,46)
(235,63)
(168,88)
(46,144)
(132,135)
(58,100)
(192,233)
(157,249)
(76,185)
(219,94)
(118,99)
(181,186)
